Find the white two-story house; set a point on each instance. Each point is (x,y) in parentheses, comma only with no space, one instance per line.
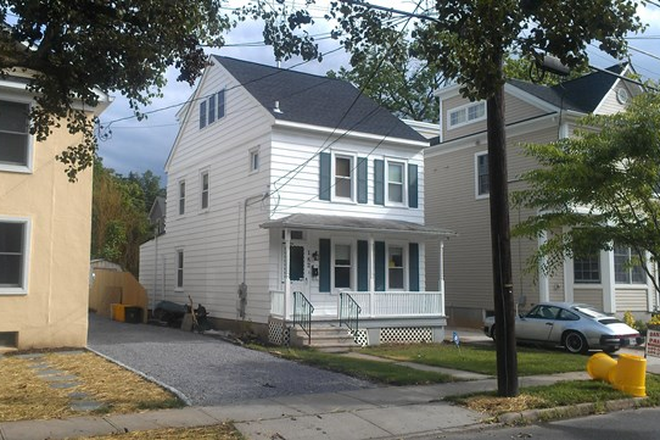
(458,198)
(294,199)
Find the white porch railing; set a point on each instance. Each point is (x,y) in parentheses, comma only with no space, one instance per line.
(400,303)
(380,304)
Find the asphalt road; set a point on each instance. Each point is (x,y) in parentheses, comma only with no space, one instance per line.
(209,371)
(642,424)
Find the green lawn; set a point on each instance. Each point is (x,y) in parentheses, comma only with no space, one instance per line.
(481,358)
(375,371)
(566,393)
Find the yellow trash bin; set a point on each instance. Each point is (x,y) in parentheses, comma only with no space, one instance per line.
(118,312)
(599,366)
(629,375)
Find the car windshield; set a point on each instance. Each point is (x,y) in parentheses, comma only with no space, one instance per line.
(591,312)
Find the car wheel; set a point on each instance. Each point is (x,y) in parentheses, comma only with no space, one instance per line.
(575,343)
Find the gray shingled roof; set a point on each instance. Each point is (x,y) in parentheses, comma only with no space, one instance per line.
(316,100)
(581,94)
(354,224)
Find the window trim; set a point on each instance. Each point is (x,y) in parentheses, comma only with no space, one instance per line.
(477,194)
(27,233)
(203,192)
(180,270)
(252,154)
(28,167)
(629,269)
(404,182)
(404,261)
(333,176)
(465,108)
(353,255)
(182,197)
(589,283)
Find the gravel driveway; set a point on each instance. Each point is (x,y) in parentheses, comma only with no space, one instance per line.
(206,370)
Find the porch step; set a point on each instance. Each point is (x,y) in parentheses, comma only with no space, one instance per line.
(324,338)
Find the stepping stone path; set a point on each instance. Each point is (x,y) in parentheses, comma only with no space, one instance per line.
(59,379)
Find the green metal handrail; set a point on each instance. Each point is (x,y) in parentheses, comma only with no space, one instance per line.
(349,311)
(302,314)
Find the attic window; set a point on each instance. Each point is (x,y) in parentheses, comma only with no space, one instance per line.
(466,114)
(212,109)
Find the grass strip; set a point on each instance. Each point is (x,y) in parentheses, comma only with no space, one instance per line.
(374,371)
(224,431)
(480,358)
(566,393)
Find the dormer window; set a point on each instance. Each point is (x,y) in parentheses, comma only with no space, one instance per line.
(466,114)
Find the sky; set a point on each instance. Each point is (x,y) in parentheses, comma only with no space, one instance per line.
(144,145)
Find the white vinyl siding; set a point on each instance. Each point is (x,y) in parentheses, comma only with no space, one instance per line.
(14,255)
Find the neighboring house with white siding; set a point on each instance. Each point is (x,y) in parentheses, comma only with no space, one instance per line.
(457,198)
(288,190)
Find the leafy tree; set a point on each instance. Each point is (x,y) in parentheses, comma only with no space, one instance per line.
(74,47)
(120,222)
(150,185)
(468,42)
(599,188)
(401,83)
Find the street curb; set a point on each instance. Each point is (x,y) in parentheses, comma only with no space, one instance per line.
(569,412)
(172,390)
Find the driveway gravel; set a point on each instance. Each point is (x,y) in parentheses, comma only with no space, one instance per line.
(209,371)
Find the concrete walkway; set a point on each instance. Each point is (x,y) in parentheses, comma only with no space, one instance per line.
(378,413)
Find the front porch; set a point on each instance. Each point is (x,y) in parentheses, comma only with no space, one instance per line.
(368,318)
(362,277)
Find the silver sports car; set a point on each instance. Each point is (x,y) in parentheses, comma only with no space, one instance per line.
(577,327)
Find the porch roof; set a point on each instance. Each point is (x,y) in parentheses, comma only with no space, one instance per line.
(355,224)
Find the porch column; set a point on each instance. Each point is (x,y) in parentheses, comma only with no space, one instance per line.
(608,283)
(544,281)
(372,273)
(287,272)
(441,277)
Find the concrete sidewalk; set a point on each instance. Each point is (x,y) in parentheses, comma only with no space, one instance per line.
(380,413)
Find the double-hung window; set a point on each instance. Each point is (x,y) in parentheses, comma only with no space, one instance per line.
(395,182)
(205,190)
(395,267)
(179,269)
(14,135)
(343,266)
(182,197)
(14,245)
(481,175)
(627,266)
(586,270)
(343,177)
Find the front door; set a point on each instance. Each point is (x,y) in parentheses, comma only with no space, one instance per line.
(298,269)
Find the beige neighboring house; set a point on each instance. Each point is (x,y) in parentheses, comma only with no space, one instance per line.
(45,226)
(457,197)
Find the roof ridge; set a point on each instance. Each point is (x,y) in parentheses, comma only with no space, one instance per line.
(281,69)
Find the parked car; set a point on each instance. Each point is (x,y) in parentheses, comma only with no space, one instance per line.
(577,327)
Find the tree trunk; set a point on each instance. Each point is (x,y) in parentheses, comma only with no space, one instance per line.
(507,362)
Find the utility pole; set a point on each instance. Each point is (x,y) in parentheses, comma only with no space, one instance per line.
(505,338)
